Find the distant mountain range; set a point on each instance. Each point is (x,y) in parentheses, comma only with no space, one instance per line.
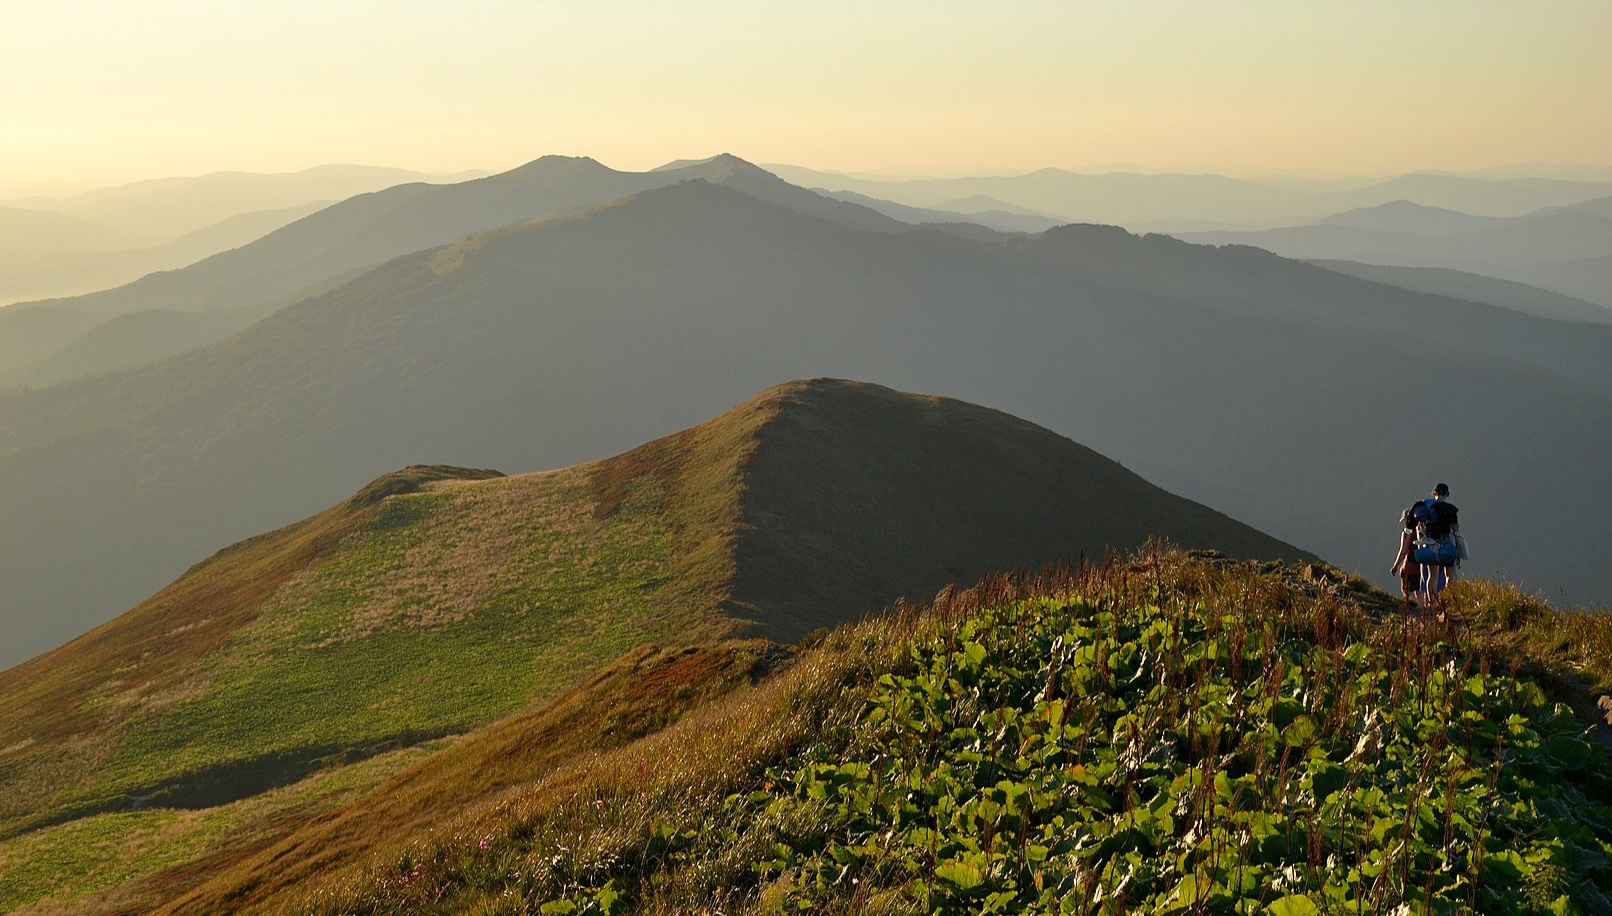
(122,233)
(1457,284)
(1181,202)
(29,233)
(1563,249)
(984,211)
(311,256)
(165,208)
(338,242)
(61,272)
(1305,402)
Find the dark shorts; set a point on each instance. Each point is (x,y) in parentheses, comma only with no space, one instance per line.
(1410,576)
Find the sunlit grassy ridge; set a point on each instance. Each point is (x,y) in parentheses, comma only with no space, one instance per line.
(1170,736)
(363,650)
(432,602)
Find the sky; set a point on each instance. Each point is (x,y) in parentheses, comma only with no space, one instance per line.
(98,92)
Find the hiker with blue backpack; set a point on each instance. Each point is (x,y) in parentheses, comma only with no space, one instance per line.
(1438,549)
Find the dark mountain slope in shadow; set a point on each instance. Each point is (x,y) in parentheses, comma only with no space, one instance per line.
(856,495)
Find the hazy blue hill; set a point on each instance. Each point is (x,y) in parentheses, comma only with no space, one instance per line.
(1601,206)
(1586,278)
(1556,248)
(997,221)
(1517,241)
(122,233)
(235,231)
(981,203)
(1591,173)
(56,274)
(1484,197)
(27,331)
(28,233)
(1307,403)
(1116,197)
(1475,288)
(166,208)
(122,341)
(1173,202)
(1405,216)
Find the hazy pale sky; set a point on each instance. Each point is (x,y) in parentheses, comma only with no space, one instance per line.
(95,92)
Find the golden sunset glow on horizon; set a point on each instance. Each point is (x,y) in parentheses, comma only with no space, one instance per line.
(98,92)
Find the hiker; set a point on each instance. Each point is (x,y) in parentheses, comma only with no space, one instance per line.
(1405,565)
(1436,548)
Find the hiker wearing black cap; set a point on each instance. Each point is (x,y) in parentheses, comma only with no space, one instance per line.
(1436,548)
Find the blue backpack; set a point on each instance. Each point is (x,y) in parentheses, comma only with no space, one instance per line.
(1435,523)
(1435,518)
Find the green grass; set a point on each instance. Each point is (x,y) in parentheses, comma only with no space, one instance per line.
(472,782)
(97,863)
(433,602)
(1575,644)
(1171,736)
(450,609)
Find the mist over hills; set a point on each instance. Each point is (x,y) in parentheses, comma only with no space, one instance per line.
(1480,196)
(361,231)
(107,343)
(1457,284)
(996,215)
(28,233)
(1404,216)
(1179,202)
(60,272)
(315,254)
(1584,278)
(1309,404)
(130,230)
(1555,248)
(166,208)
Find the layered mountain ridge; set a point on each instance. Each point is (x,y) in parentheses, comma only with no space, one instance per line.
(1239,378)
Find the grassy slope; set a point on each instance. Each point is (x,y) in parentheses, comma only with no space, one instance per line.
(1208,733)
(434,602)
(128,861)
(473,779)
(416,609)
